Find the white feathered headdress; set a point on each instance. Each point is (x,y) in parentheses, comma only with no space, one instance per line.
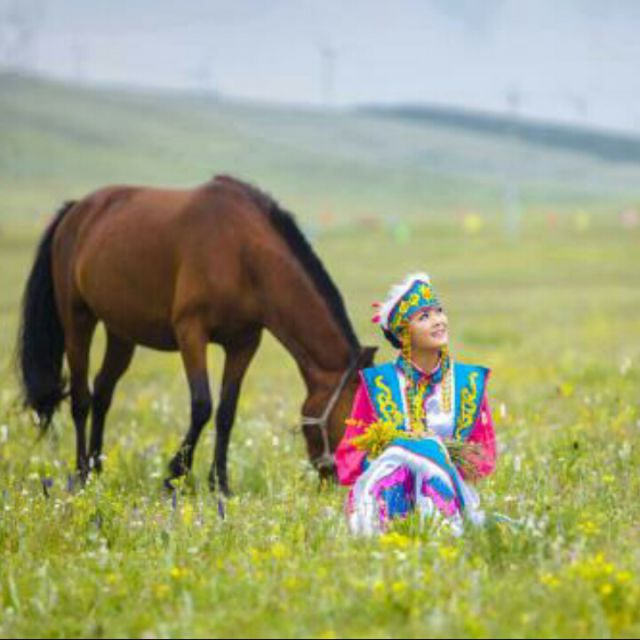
(415,292)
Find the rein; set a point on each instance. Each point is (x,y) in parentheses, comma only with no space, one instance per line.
(327,459)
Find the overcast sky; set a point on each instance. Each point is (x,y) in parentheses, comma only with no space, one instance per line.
(571,60)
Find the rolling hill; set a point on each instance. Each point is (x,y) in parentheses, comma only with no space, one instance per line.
(59,141)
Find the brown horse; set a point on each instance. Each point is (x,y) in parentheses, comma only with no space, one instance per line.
(175,270)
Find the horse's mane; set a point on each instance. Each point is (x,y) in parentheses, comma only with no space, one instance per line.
(283,222)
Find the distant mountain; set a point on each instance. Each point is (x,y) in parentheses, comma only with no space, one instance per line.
(59,141)
(604,144)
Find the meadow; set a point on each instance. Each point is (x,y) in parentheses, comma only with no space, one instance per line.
(554,310)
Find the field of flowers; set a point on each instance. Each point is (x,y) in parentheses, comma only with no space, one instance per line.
(555,313)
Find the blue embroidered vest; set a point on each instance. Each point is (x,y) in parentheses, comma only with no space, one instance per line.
(384,390)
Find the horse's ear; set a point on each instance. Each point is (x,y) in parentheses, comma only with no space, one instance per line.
(367,355)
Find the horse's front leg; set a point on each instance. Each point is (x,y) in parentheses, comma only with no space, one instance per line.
(238,357)
(192,340)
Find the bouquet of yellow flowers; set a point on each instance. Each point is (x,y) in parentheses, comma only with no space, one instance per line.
(379,434)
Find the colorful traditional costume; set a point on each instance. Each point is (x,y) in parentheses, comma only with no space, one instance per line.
(415,471)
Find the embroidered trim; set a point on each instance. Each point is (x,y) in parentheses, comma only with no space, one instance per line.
(468,406)
(387,406)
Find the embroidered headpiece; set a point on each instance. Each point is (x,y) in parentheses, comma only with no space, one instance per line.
(403,301)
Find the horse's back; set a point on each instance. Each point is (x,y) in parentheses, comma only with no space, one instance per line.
(138,215)
(141,258)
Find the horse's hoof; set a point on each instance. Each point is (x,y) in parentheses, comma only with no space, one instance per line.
(178,467)
(226,492)
(223,483)
(174,483)
(82,475)
(223,486)
(95,464)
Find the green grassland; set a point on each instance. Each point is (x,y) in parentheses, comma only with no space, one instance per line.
(554,311)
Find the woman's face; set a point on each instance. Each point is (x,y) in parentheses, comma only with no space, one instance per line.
(428,329)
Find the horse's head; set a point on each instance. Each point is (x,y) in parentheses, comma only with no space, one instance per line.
(325,431)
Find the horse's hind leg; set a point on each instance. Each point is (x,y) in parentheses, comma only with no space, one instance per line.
(238,357)
(117,357)
(78,335)
(192,340)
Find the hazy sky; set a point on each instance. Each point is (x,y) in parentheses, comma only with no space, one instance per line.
(569,60)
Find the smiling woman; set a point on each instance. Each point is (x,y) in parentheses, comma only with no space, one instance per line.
(420,427)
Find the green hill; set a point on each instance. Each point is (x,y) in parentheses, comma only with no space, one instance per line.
(606,145)
(59,141)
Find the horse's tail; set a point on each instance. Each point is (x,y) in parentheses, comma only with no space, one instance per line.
(40,347)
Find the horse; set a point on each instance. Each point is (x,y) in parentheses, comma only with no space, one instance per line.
(177,269)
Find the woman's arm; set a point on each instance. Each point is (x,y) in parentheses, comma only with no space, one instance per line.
(484,435)
(349,459)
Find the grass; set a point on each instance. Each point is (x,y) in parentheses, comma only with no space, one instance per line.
(555,317)
(554,313)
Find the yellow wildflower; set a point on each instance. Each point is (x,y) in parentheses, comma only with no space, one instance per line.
(623,576)
(588,527)
(278,551)
(291,583)
(161,590)
(549,580)
(177,573)
(255,555)
(448,553)
(395,540)
(187,514)
(399,587)
(379,589)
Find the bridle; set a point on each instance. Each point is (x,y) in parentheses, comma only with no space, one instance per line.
(327,459)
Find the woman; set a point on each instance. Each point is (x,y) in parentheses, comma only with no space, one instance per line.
(420,429)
